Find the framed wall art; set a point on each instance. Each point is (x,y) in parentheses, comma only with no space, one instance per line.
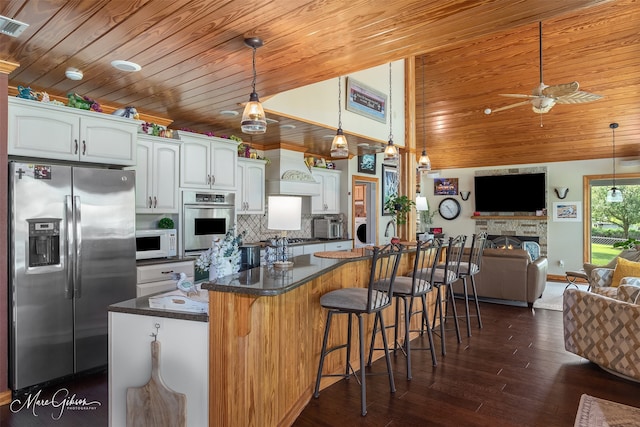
(390,186)
(567,211)
(366,101)
(445,186)
(367,163)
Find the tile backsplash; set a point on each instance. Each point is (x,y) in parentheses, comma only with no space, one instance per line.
(255,227)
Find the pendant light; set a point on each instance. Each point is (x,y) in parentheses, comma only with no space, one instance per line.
(339,146)
(424,163)
(391,151)
(614,195)
(254,120)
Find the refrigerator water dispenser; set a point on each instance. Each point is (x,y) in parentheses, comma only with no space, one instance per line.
(44,242)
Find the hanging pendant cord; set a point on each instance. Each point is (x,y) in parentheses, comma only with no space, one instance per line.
(339,106)
(424,114)
(613,132)
(389,108)
(253,84)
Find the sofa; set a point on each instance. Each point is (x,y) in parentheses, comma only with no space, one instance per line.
(510,274)
(605,329)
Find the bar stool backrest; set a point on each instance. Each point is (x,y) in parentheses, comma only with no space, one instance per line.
(384,266)
(475,254)
(424,268)
(453,257)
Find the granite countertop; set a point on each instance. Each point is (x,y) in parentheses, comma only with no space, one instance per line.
(271,281)
(261,281)
(300,242)
(141,306)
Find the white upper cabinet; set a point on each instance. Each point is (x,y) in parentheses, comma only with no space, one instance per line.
(65,133)
(207,162)
(328,202)
(157,175)
(250,194)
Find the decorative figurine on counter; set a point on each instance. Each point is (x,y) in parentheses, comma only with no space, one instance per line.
(127,112)
(185,286)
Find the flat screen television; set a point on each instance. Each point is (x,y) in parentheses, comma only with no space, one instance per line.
(510,193)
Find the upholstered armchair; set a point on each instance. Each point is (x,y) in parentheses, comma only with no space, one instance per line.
(605,280)
(604,330)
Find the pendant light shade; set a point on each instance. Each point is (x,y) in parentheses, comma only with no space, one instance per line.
(390,151)
(424,162)
(254,120)
(614,195)
(339,146)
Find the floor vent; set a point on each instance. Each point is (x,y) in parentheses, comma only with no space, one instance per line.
(11,27)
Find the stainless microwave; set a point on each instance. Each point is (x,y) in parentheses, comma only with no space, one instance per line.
(325,228)
(160,243)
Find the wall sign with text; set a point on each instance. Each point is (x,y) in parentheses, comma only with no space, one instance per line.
(366,101)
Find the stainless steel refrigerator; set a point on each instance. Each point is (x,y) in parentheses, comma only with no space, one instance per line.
(72,254)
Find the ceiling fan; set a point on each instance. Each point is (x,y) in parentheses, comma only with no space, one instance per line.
(544,97)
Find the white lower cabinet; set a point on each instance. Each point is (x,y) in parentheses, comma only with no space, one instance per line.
(183,362)
(338,246)
(155,278)
(313,248)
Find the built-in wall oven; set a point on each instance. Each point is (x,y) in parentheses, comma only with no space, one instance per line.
(206,215)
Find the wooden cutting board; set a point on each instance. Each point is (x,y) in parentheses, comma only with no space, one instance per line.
(154,404)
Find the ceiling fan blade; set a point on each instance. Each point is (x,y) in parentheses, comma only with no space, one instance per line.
(564,89)
(507,107)
(578,98)
(517,95)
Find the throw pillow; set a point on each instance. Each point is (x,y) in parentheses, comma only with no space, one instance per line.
(630,254)
(625,268)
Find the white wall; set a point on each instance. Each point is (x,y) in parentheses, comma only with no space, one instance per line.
(319,103)
(565,239)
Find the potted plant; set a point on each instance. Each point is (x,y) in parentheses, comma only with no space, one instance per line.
(401,205)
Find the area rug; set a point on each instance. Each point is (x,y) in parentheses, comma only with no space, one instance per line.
(594,412)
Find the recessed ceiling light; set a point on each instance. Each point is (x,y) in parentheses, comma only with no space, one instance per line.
(229,113)
(287,126)
(271,121)
(363,144)
(73,74)
(125,66)
(329,136)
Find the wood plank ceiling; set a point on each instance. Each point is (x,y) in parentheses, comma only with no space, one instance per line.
(195,65)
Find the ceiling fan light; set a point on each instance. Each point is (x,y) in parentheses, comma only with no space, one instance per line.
(253,118)
(614,195)
(339,146)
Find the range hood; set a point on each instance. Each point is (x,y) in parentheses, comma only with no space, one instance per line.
(289,175)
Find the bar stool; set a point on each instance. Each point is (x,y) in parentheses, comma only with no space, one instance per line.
(407,288)
(446,274)
(468,269)
(358,301)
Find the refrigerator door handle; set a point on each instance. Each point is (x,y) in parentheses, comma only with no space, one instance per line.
(77,220)
(68,206)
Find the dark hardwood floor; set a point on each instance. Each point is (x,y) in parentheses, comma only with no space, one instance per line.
(514,372)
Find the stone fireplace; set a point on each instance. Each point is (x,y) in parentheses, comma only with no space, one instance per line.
(509,242)
(526,227)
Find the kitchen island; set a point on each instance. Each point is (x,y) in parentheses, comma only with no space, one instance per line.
(263,338)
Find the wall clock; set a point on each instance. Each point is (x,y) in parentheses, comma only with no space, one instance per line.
(449,208)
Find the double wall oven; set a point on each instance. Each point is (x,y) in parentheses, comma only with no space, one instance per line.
(206,215)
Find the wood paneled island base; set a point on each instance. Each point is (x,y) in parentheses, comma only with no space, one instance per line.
(264,349)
